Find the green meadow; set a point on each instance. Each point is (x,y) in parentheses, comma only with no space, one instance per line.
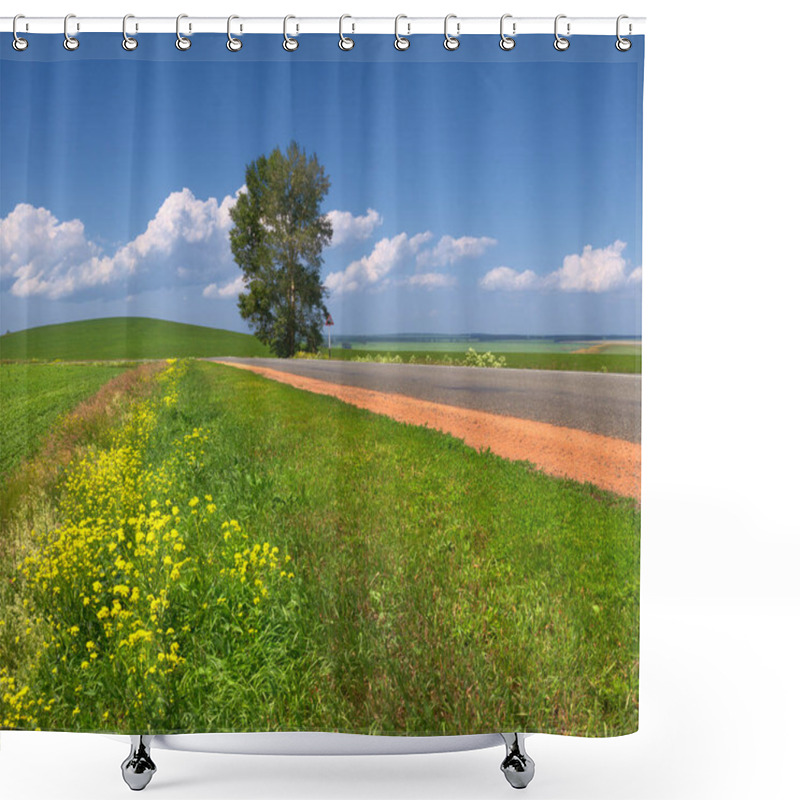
(131,338)
(579,362)
(459,344)
(34,396)
(126,338)
(231,553)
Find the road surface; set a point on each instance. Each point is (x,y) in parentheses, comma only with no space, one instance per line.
(607,404)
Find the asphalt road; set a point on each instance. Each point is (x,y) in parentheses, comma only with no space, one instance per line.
(601,403)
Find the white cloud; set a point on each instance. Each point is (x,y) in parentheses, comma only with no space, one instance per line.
(635,276)
(232,289)
(430,280)
(348,228)
(372,270)
(505,279)
(35,245)
(593,270)
(449,250)
(187,239)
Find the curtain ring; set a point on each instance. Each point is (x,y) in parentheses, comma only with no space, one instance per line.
(289,44)
(128,42)
(70,42)
(561,43)
(506,42)
(181,42)
(345,43)
(19,43)
(451,42)
(622,44)
(233,44)
(401,42)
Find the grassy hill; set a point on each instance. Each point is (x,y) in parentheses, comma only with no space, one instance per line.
(126,338)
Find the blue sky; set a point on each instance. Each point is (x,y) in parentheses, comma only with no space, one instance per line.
(470,191)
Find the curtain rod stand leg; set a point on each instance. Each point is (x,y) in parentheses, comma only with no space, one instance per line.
(138,768)
(517,766)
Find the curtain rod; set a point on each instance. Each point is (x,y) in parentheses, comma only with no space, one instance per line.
(514,26)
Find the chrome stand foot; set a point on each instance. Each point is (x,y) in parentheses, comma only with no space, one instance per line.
(138,768)
(517,766)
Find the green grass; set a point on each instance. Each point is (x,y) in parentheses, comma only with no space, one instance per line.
(144,338)
(34,396)
(460,344)
(126,338)
(627,362)
(442,589)
(437,589)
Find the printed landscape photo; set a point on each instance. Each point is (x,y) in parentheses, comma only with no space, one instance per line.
(314,427)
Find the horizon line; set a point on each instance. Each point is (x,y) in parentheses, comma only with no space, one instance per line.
(387,335)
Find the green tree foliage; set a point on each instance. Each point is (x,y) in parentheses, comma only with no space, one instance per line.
(277,240)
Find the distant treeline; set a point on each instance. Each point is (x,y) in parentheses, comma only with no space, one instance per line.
(478,337)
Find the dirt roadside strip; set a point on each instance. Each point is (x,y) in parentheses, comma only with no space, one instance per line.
(612,464)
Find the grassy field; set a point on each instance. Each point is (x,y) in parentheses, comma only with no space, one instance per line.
(583,362)
(460,344)
(143,338)
(34,396)
(287,561)
(126,338)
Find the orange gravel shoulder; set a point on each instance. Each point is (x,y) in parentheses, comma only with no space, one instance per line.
(609,463)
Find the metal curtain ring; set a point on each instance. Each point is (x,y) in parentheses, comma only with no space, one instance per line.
(289,44)
(622,44)
(560,43)
(181,42)
(400,42)
(18,43)
(233,44)
(507,42)
(345,43)
(451,42)
(128,42)
(70,42)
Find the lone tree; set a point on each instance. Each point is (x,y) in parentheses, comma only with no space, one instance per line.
(277,239)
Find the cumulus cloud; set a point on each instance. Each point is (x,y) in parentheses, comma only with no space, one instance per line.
(430,280)
(448,250)
(505,279)
(593,270)
(232,289)
(371,271)
(187,240)
(635,275)
(348,228)
(38,252)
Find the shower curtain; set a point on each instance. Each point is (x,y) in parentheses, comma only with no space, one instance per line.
(321,379)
